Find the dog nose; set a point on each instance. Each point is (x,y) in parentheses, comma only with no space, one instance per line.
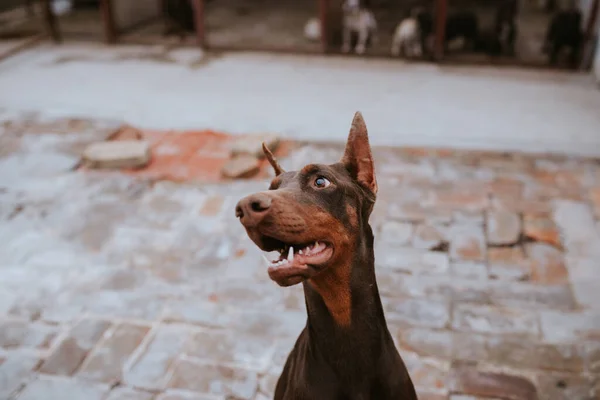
(252,209)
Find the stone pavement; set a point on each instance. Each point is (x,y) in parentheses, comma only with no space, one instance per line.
(117,287)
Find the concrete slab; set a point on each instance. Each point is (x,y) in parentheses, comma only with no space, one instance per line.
(311,97)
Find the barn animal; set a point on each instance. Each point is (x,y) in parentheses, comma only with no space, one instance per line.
(564,33)
(360,20)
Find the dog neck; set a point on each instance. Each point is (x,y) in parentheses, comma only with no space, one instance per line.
(343,304)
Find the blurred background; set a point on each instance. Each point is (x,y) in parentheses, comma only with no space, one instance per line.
(131,128)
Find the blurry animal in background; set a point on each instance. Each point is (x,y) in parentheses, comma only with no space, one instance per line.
(408,40)
(564,33)
(462,25)
(501,39)
(360,20)
(312,29)
(179,16)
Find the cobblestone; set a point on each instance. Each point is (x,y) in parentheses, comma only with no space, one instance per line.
(114,287)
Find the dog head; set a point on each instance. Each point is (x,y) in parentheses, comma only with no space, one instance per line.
(315,216)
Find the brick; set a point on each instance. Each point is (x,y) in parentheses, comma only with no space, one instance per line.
(427,373)
(117,154)
(585,280)
(417,312)
(567,327)
(214,379)
(595,199)
(518,352)
(541,229)
(464,196)
(494,320)
(562,386)
(106,363)
(503,227)
(427,342)
(467,243)
(508,263)
(466,379)
(124,393)
(252,145)
(469,270)
(62,388)
(418,213)
(15,370)
(212,206)
(428,237)
(411,260)
(396,233)
(16,334)
(149,369)
(70,353)
(547,264)
(232,348)
(576,222)
(241,167)
(187,395)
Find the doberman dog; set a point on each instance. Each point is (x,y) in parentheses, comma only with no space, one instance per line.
(318,220)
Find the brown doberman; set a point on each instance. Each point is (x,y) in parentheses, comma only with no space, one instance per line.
(318,219)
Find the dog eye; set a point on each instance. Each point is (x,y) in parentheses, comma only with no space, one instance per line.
(321,182)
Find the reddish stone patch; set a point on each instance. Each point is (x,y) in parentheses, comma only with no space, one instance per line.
(183,156)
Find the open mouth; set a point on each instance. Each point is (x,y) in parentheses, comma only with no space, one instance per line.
(298,262)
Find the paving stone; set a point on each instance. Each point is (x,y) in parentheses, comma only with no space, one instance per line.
(547,264)
(428,237)
(149,369)
(567,327)
(462,196)
(252,144)
(410,260)
(427,342)
(595,198)
(15,371)
(15,334)
(427,373)
(508,263)
(417,312)
(576,222)
(396,233)
(117,154)
(560,386)
(518,352)
(214,379)
(503,227)
(187,395)
(106,363)
(124,393)
(267,385)
(70,353)
(584,278)
(466,379)
(494,320)
(541,229)
(468,397)
(469,270)
(241,167)
(467,243)
(63,388)
(232,348)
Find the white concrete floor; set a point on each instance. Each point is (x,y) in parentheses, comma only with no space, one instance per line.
(309,97)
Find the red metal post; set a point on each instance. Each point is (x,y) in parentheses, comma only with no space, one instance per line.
(324,25)
(440,28)
(108,20)
(199,18)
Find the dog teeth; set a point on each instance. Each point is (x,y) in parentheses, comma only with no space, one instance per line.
(290,256)
(299,251)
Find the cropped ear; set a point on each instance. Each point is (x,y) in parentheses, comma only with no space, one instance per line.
(357,157)
(272,160)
